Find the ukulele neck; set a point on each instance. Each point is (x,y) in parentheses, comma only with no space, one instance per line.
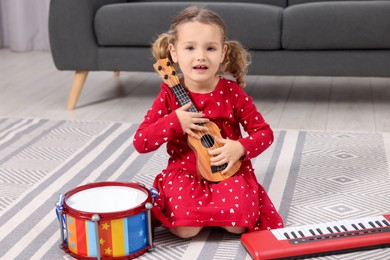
(183,97)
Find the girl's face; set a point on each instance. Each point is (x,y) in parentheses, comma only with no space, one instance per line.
(199,51)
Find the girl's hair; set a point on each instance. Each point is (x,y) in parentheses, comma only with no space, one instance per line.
(236,59)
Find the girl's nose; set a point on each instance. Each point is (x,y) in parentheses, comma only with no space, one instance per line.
(201,56)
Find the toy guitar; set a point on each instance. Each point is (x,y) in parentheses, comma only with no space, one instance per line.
(206,171)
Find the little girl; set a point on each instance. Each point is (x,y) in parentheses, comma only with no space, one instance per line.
(197,44)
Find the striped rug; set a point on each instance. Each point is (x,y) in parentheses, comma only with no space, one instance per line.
(312,177)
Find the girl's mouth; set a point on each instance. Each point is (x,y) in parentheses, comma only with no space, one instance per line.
(200,67)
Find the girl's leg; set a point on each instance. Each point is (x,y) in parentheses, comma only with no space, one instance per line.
(185,232)
(235,230)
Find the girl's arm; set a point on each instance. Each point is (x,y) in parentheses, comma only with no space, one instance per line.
(260,135)
(164,121)
(159,125)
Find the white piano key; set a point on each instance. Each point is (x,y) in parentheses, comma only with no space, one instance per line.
(366,221)
(336,226)
(305,231)
(315,228)
(348,225)
(381,220)
(288,232)
(295,234)
(301,233)
(330,228)
(277,233)
(323,228)
(372,224)
(345,226)
(312,228)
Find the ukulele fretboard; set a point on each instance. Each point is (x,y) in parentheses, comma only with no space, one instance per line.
(183,97)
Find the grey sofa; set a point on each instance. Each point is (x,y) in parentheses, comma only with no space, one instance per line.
(285,37)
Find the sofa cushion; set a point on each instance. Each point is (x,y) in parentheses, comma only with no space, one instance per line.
(337,25)
(256,26)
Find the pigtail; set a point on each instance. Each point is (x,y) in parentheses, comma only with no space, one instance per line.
(160,47)
(236,62)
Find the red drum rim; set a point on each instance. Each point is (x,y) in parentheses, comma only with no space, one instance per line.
(106,215)
(130,256)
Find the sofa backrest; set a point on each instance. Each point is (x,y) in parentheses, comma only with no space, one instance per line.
(342,26)
(281,3)
(256,26)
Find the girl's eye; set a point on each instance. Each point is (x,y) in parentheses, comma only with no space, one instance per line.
(189,48)
(211,49)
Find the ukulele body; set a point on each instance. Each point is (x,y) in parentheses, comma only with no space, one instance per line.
(201,148)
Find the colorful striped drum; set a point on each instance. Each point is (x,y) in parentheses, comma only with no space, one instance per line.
(107,220)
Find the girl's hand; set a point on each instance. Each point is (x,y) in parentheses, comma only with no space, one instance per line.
(190,121)
(229,153)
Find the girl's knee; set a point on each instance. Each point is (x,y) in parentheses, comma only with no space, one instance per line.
(185,232)
(236,230)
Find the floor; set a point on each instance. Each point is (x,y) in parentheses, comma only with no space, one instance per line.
(31,86)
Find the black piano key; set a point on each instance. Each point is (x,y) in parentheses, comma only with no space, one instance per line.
(329,229)
(294,235)
(337,228)
(361,225)
(343,227)
(312,232)
(319,231)
(286,235)
(355,227)
(379,223)
(386,222)
(301,233)
(371,224)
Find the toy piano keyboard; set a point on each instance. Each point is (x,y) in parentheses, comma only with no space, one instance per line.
(319,239)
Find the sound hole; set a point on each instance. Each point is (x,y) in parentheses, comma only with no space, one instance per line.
(207,141)
(215,169)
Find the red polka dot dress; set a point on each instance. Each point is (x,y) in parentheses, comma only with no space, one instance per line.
(184,198)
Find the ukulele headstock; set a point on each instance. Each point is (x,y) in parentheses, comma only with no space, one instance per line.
(167,72)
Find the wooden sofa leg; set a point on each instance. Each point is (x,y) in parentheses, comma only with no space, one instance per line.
(77,86)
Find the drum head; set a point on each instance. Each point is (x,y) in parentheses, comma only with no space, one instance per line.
(106,199)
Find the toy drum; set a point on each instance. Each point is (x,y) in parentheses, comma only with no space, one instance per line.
(106,220)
